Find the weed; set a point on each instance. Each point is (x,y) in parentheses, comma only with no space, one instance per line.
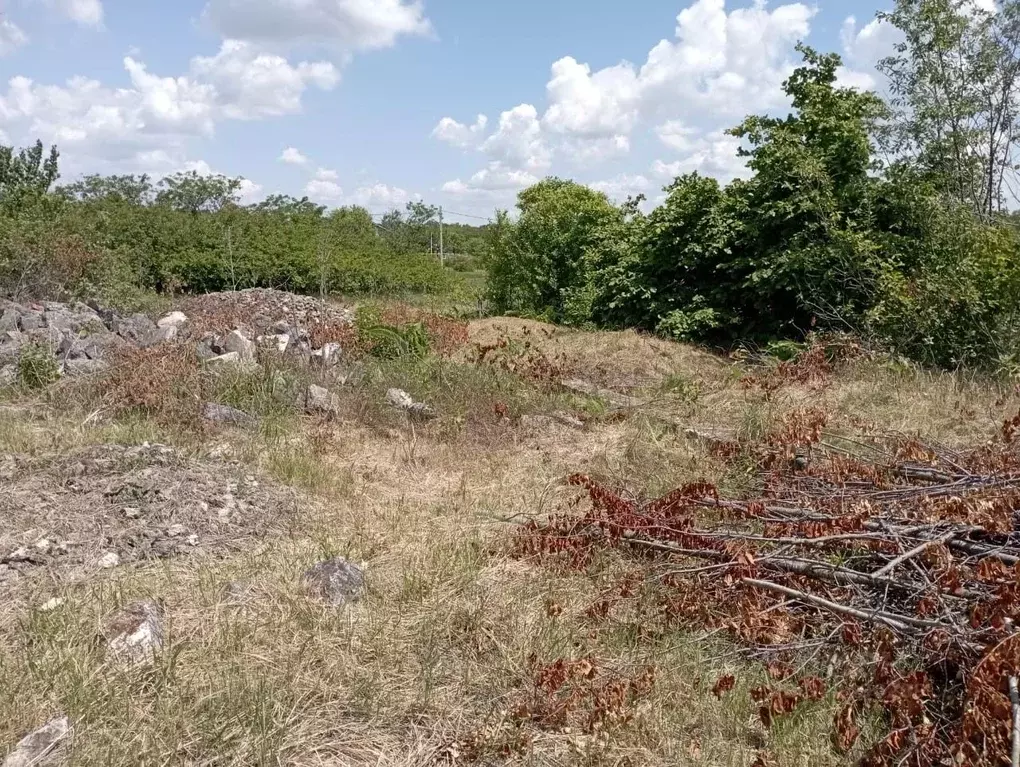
(37,366)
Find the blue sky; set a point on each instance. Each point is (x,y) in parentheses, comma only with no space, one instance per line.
(376,102)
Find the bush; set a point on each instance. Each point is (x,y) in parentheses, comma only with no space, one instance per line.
(37,366)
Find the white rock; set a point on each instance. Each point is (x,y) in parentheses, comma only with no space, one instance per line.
(229,359)
(33,748)
(132,512)
(43,546)
(176,531)
(135,634)
(192,540)
(399,399)
(109,560)
(173,320)
(236,342)
(51,605)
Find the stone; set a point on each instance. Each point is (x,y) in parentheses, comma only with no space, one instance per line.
(216,413)
(137,328)
(77,368)
(33,749)
(230,359)
(135,635)
(236,342)
(8,375)
(328,355)
(172,320)
(399,399)
(109,560)
(132,512)
(204,349)
(318,399)
(336,581)
(278,342)
(58,317)
(159,336)
(177,531)
(31,321)
(51,605)
(9,319)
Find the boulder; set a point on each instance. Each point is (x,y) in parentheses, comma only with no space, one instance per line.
(135,635)
(237,343)
(336,582)
(230,359)
(172,320)
(8,375)
(227,415)
(401,400)
(205,349)
(318,399)
(328,355)
(277,343)
(84,366)
(9,319)
(31,320)
(34,748)
(138,329)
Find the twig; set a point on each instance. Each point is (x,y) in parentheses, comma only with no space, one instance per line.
(1014,697)
(911,554)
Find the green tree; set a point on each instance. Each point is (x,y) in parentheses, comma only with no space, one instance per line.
(192,192)
(26,175)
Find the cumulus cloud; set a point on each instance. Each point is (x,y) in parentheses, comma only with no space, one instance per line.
(108,127)
(347,25)
(625,185)
(713,154)
(293,156)
(459,134)
(718,66)
(496,177)
(85,12)
(380,195)
(11,37)
(863,48)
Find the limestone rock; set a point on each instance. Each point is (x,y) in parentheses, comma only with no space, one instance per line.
(318,399)
(33,749)
(216,413)
(135,635)
(336,581)
(173,320)
(237,343)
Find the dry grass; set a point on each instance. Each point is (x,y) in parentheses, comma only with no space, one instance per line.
(443,646)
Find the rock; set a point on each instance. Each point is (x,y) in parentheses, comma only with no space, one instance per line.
(320,400)
(51,605)
(78,368)
(236,593)
(58,317)
(230,359)
(137,328)
(278,342)
(8,375)
(132,512)
(109,560)
(159,336)
(327,355)
(236,342)
(177,531)
(172,320)
(135,635)
(9,319)
(399,399)
(204,349)
(336,581)
(20,555)
(31,321)
(33,749)
(226,414)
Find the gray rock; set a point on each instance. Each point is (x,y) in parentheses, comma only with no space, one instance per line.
(135,635)
(9,319)
(278,342)
(227,415)
(31,320)
(230,359)
(33,749)
(318,399)
(237,343)
(401,400)
(109,560)
(159,336)
(204,349)
(336,581)
(138,329)
(328,355)
(8,375)
(173,320)
(59,318)
(84,366)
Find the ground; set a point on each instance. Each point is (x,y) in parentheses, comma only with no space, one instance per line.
(435,664)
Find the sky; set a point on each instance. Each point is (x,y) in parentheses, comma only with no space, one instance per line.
(459,103)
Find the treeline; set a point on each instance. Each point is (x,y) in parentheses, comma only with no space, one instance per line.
(114,235)
(889,220)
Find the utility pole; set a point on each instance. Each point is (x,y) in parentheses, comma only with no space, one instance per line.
(442,259)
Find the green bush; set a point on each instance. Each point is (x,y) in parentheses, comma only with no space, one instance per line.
(37,366)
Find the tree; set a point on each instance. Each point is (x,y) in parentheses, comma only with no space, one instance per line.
(26,174)
(133,190)
(954,83)
(193,192)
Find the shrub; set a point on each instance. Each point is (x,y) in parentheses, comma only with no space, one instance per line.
(37,366)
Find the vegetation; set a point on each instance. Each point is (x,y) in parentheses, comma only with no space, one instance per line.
(887,220)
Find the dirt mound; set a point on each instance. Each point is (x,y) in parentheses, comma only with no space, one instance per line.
(618,360)
(110,504)
(259,309)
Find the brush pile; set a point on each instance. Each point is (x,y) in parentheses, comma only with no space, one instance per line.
(885,571)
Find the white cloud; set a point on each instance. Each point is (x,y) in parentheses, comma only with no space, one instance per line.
(11,37)
(251,84)
(619,188)
(293,156)
(85,12)
(347,25)
(459,134)
(601,105)
(677,135)
(107,128)
(713,154)
(496,177)
(326,191)
(518,141)
(380,196)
